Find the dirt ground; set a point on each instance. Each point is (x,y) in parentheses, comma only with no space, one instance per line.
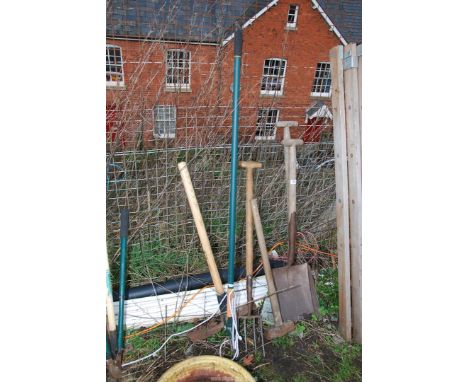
(313,352)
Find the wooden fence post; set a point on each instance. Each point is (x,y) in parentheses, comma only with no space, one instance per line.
(342,208)
(353,140)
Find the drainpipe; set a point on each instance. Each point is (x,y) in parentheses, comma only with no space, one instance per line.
(233,185)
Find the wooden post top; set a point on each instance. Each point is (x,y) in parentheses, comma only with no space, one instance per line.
(181,165)
(250,164)
(287,124)
(292,142)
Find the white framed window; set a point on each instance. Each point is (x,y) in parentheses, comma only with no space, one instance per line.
(292,16)
(178,69)
(274,72)
(266,124)
(114,66)
(322,80)
(164,121)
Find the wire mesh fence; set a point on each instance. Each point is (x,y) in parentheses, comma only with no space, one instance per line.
(163,239)
(168,78)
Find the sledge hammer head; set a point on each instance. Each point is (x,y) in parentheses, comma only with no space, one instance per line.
(250,164)
(288,142)
(286,125)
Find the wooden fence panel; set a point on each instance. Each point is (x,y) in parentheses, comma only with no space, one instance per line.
(353,140)
(342,207)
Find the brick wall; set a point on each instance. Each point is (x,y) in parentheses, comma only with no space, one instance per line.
(205,110)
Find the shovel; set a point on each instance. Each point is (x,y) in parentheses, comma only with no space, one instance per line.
(299,299)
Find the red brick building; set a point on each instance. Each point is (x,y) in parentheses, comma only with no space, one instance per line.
(169,68)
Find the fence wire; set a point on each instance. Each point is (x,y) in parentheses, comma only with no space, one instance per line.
(141,166)
(163,239)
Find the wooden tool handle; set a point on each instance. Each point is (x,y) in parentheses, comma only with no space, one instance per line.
(286,136)
(197,217)
(250,166)
(109,300)
(266,264)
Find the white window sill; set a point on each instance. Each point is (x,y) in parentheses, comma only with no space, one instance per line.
(290,27)
(269,93)
(321,95)
(181,89)
(164,136)
(266,138)
(115,85)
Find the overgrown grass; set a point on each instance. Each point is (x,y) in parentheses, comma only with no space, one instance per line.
(142,345)
(327,290)
(349,363)
(313,352)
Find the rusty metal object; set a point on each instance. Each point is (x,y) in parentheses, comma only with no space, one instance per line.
(206,330)
(301,300)
(279,330)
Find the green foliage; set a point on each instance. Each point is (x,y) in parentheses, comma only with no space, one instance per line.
(182,327)
(300,378)
(152,261)
(216,338)
(284,342)
(139,346)
(327,290)
(299,330)
(258,357)
(347,370)
(267,374)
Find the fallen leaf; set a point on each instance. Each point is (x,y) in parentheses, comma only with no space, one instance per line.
(248,360)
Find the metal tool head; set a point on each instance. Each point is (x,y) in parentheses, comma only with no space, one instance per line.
(279,330)
(250,164)
(299,298)
(206,330)
(255,328)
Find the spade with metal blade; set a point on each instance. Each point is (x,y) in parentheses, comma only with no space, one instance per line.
(299,299)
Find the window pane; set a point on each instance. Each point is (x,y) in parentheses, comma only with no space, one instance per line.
(165,121)
(322,81)
(273,75)
(266,121)
(114,64)
(178,67)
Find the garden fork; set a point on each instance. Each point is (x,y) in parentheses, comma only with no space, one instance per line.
(252,314)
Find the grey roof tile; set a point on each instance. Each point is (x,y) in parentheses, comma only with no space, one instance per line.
(346,15)
(209,20)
